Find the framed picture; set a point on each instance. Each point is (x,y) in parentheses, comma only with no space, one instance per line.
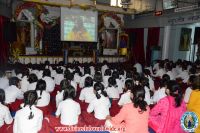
(185,39)
(123,40)
(109,37)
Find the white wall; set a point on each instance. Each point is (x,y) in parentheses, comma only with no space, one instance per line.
(174,52)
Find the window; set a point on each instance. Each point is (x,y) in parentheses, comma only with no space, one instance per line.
(115,3)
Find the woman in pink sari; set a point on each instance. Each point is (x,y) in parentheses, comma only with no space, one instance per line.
(166,115)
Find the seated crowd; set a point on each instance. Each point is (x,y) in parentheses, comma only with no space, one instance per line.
(38,98)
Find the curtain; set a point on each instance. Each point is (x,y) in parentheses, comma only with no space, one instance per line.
(136,45)
(4,46)
(152,40)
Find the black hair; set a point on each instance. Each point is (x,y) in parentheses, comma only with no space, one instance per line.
(41,86)
(161,64)
(191,79)
(98,77)
(112,82)
(14,81)
(2,73)
(88,82)
(115,74)
(138,98)
(192,70)
(144,82)
(32,78)
(196,83)
(99,88)
(165,79)
(30,98)
(147,72)
(129,75)
(136,77)
(47,73)
(2,96)
(129,85)
(107,72)
(168,67)
(69,76)
(69,92)
(87,70)
(175,91)
(59,70)
(64,84)
(25,72)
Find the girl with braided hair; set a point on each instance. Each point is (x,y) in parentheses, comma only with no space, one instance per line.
(29,118)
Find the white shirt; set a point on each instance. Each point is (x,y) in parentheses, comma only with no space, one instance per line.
(59,97)
(92,70)
(125,98)
(32,86)
(77,78)
(156,67)
(4,82)
(187,94)
(160,73)
(87,94)
(50,83)
(82,81)
(105,80)
(24,125)
(151,83)
(112,92)
(40,74)
(184,76)
(69,111)
(119,86)
(5,115)
(138,67)
(171,75)
(12,93)
(74,84)
(44,100)
(24,84)
(103,69)
(58,78)
(147,95)
(100,107)
(159,94)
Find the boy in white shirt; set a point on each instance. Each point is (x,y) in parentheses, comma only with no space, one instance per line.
(87,93)
(126,96)
(106,76)
(24,81)
(189,89)
(50,83)
(184,74)
(161,92)
(86,74)
(68,109)
(4,82)
(59,76)
(160,71)
(5,116)
(101,104)
(13,92)
(29,118)
(112,89)
(43,95)
(32,82)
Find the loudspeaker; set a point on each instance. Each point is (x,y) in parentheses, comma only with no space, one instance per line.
(196,35)
(10,32)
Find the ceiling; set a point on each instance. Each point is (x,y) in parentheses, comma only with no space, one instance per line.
(139,6)
(145,6)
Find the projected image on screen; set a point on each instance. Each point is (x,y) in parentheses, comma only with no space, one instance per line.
(78,25)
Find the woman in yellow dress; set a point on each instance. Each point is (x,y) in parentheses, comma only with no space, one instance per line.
(194,102)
